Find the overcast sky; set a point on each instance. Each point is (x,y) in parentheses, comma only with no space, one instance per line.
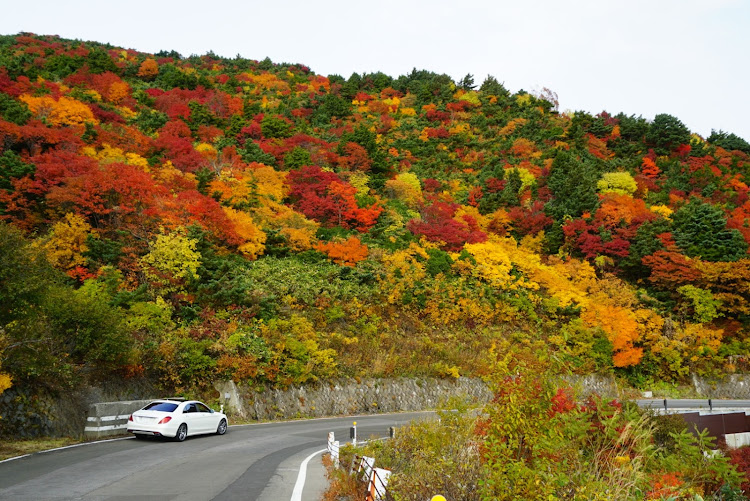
(688,58)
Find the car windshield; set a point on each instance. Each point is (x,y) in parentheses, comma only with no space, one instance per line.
(161,406)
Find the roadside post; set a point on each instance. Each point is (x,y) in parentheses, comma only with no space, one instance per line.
(333,449)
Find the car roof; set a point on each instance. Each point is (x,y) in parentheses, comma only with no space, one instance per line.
(178,401)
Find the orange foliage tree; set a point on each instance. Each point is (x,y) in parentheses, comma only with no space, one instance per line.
(148,69)
(346,252)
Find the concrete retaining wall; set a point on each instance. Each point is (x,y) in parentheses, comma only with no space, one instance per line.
(110,418)
(737,440)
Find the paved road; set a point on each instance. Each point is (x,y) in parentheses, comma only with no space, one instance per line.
(251,462)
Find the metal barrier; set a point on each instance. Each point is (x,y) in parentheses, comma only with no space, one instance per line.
(377,485)
(374,479)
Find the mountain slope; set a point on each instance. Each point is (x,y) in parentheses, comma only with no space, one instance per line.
(200,218)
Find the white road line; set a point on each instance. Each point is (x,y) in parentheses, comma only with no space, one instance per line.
(83,444)
(14,458)
(297,492)
(66,447)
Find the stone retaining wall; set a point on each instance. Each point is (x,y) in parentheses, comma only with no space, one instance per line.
(349,397)
(28,414)
(736,386)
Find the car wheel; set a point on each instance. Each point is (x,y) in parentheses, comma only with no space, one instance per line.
(222,429)
(181,433)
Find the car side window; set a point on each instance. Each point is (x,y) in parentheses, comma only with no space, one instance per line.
(202,408)
(190,408)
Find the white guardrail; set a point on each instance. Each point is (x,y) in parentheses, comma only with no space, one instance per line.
(375,478)
(110,418)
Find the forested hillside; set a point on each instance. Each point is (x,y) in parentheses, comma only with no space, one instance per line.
(198,218)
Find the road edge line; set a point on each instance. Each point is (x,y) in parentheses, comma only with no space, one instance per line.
(80,444)
(300,484)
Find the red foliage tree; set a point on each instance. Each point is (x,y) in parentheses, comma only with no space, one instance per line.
(439,225)
(176,141)
(741,459)
(529,220)
(355,158)
(192,207)
(670,269)
(323,196)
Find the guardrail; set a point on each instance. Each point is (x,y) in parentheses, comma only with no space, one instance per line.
(374,479)
(721,418)
(706,405)
(110,418)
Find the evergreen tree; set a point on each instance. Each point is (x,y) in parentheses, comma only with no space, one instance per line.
(467,82)
(700,230)
(573,186)
(729,141)
(666,133)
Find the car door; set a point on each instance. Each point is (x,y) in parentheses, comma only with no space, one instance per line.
(206,418)
(190,416)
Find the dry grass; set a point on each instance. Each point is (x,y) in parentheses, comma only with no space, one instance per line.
(13,448)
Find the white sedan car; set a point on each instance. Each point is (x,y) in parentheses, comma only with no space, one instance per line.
(176,419)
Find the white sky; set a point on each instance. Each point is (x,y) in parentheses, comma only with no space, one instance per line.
(688,58)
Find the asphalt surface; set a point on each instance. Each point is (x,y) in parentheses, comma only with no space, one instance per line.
(251,462)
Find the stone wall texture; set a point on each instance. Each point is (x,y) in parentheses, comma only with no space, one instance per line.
(349,397)
(57,413)
(65,413)
(735,387)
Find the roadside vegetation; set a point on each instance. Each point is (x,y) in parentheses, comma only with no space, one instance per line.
(538,440)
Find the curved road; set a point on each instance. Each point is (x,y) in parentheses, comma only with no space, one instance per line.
(251,462)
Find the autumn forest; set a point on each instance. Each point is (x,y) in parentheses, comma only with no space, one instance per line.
(198,218)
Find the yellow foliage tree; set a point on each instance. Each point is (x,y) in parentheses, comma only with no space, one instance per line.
(296,355)
(66,242)
(493,263)
(471,97)
(109,154)
(253,237)
(406,188)
(249,187)
(65,111)
(6,381)
(621,183)
(359,180)
(403,270)
(172,260)
(682,348)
